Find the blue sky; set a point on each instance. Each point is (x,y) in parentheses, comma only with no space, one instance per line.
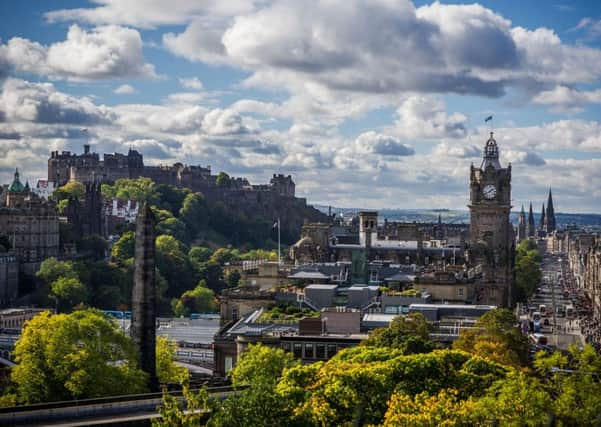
(367,103)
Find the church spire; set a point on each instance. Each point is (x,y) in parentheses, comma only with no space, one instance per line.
(550,217)
(531,227)
(542,219)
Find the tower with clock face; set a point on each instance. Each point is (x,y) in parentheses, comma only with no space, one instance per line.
(491,235)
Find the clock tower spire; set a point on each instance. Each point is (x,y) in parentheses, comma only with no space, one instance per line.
(491,233)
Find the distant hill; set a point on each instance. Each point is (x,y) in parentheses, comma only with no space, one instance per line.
(590,221)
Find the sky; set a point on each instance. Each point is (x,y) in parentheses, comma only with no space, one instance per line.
(367,103)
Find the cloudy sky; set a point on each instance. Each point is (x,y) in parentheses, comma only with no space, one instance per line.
(367,103)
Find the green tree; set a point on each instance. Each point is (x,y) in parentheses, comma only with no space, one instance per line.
(173,265)
(93,244)
(187,412)
(124,248)
(517,400)
(194,213)
(224,255)
(261,365)
(233,279)
(198,300)
(167,370)
(74,356)
(423,410)
(52,269)
(139,189)
(497,337)
(574,382)
(410,334)
(200,254)
(68,292)
(71,189)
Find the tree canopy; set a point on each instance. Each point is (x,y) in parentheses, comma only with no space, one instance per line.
(74,356)
(496,337)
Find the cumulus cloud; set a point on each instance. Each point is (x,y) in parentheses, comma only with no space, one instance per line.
(445,149)
(41,102)
(376,143)
(151,13)
(566,99)
(524,157)
(201,41)
(101,53)
(124,90)
(426,117)
(465,49)
(190,83)
(225,122)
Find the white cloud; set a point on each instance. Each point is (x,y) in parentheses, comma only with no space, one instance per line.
(566,99)
(42,103)
(456,149)
(385,145)
(151,13)
(524,157)
(125,90)
(190,83)
(426,117)
(102,53)
(201,41)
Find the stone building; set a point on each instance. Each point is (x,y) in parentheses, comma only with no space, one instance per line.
(9,279)
(491,233)
(85,216)
(393,242)
(30,224)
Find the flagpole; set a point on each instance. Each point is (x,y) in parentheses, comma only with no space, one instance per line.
(279,257)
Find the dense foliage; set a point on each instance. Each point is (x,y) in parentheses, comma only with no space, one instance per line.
(81,355)
(74,356)
(527,269)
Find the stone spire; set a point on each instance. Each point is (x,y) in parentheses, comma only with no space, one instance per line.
(542,220)
(530,226)
(550,217)
(144,299)
(522,225)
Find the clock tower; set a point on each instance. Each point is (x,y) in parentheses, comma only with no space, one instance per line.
(491,246)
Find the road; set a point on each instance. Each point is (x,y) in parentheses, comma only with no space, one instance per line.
(560,331)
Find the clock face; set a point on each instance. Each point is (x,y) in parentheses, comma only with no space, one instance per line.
(489,192)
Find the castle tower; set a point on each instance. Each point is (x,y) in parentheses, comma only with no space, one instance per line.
(522,225)
(491,232)
(144,299)
(530,226)
(550,225)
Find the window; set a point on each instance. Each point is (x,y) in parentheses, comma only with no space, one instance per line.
(331,350)
(298,350)
(320,351)
(228,363)
(309,351)
(461,292)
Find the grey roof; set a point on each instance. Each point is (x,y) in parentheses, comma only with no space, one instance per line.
(308,275)
(319,286)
